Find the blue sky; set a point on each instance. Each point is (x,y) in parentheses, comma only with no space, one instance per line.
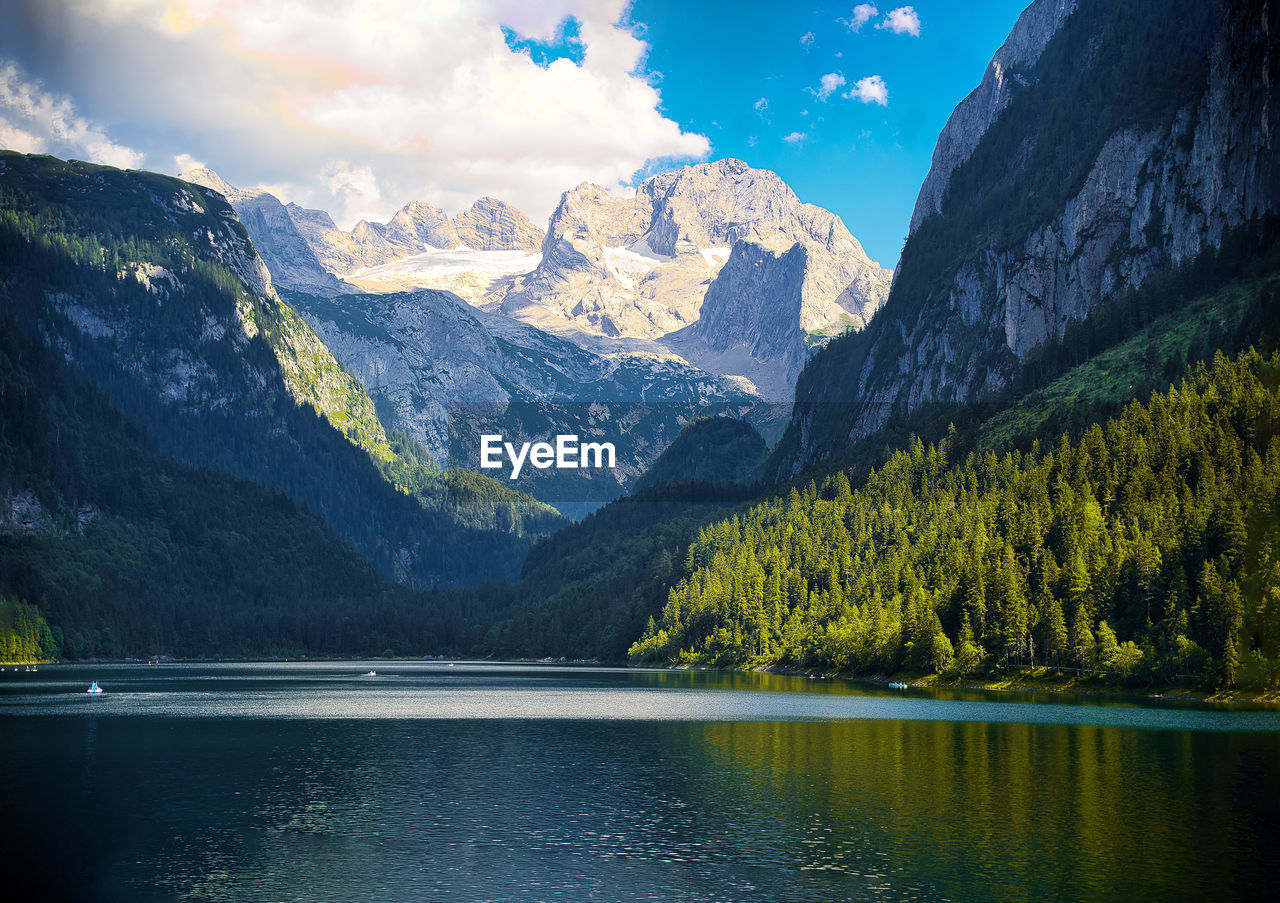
(359,106)
(863,161)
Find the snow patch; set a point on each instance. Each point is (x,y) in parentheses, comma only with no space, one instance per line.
(441,262)
(716,257)
(631,264)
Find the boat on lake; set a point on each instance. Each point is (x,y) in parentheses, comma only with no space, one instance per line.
(94,689)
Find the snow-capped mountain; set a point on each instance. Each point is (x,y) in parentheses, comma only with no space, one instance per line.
(640,267)
(776,277)
(306,250)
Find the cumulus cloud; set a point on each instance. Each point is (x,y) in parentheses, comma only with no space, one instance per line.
(807,39)
(862,14)
(903,20)
(362,105)
(828,85)
(794,137)
(18,139)
(871,89)
(761,105)
(36,120)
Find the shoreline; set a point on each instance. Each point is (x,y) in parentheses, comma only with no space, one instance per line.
(1032,680)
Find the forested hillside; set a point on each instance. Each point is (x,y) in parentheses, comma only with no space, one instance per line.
(126,553)
(152,289)
(1149,549)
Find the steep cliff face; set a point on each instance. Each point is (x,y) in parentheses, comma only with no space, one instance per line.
(1010,70)
(751,318)
(1096,171)
(639,267)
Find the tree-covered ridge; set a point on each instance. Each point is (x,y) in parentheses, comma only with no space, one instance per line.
(157,236)
(1149,549)
(24,635)
(135,555)
(152,288)
(710,449)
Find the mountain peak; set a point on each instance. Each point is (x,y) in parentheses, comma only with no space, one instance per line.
(207,178)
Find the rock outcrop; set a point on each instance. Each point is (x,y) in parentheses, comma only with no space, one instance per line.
(493,225)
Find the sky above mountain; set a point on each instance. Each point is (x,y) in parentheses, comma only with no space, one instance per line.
(357,107)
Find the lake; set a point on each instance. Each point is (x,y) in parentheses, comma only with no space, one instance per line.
(469,782)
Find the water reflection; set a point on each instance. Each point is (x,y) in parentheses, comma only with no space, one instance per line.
(520,808)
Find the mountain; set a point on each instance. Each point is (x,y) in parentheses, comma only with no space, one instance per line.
(640,267)
(446,373)
(1049,198)
(125,552)
(492,225)
(297,241)
(709,450)
(152,289)
(612,274)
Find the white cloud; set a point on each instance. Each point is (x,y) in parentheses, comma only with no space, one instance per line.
(183,162)
(871,89)
(862,14)
(828,85)
(794,137)
(34,120)
(17,139)
(807,39)
(761,105)
(903,20)
(410,101)
(356,189)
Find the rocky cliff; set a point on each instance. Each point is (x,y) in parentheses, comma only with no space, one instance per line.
(640,266)
(1075,172)
(751,318)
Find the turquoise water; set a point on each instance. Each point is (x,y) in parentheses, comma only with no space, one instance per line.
(492,782)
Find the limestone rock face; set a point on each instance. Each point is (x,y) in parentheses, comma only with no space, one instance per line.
(494,225)
(1170,173)
(639,267)
(751,319)
(1010,70)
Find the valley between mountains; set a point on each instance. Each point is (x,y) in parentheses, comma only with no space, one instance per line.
(1047,438)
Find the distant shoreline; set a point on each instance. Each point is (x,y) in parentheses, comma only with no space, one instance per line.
(1032,680)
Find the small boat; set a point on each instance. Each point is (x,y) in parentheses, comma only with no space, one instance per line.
(94,689)
(895,685)
(372,674)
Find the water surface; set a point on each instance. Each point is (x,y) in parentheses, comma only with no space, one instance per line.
(490,782)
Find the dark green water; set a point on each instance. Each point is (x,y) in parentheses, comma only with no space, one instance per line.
(315,782)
